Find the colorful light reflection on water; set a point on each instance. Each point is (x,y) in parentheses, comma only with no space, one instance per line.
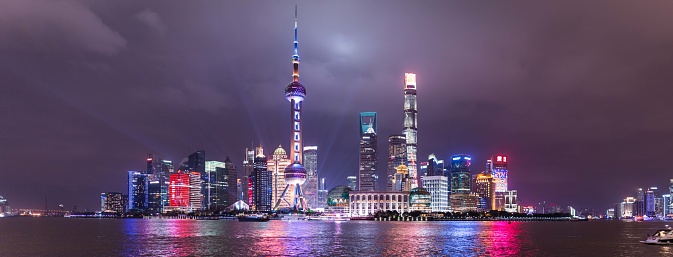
(131,237)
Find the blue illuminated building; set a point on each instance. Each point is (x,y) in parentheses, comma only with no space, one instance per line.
(461,179)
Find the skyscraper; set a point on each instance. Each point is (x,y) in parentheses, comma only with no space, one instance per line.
(246,181)
(178,191)
(397,155)
(295,174)
(158,175)
(196,162)
(262,184)
(311,185)
(368,158)
(410,125)
(137,188)
(221,184)
(435,166)
(460,174)
(498,168)
(485,188)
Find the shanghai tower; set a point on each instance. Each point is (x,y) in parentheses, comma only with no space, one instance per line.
(410,122)
(295,93)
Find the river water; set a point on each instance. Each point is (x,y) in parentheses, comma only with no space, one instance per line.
(137,237)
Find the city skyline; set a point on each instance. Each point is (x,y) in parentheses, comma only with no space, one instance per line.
(84,111)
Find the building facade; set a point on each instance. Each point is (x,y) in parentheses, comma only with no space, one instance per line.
(366,203)
(438,187)
(410,126)
(511,201)
(112,202)
(368,155)
(352,182)
(179,192)
(196,163)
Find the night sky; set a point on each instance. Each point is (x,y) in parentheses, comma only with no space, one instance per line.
(576,93)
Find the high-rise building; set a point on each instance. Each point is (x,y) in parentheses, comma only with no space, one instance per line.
(640,203)
(246,181)
(397,155)
(112,202)
(196,162)
(295,173)
(311,185)
(158,175)
(262,184)
(485,188)
(137,188)
(352,182)
(650,202)
(438,187)
(322,194)
(410,125)
(368,158)
(435,166)
(401,181)
(666,207)
(498,168)
(511,201)
(276,165)
(179,190)
(460,174)
(499,171)
(221,184)
(196,192)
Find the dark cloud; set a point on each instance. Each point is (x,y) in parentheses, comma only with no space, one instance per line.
(575,92)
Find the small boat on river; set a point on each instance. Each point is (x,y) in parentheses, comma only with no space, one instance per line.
(254,218)
(661,237)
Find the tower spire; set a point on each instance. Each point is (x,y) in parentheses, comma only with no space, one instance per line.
(295,57)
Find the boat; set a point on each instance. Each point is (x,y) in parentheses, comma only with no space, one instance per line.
(661,237)
(254,218)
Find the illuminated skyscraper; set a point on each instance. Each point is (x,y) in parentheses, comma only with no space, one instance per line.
(485,188)
(460,174)
(311,185)
(246,181)
(158,172)
(295,174)
(196,162)
(262,183)
(368,158)
(410,125)
(196,196)
(137,188)
(221,190)
(499,170)
(397,155)
(179,190)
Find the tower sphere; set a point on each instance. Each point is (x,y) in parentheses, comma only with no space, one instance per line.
(296,91)
(295,174)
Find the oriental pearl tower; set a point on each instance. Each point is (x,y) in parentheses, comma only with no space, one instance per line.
(295,174)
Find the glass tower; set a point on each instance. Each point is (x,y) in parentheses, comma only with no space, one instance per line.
(410,125)
(368,159)
(461,179)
